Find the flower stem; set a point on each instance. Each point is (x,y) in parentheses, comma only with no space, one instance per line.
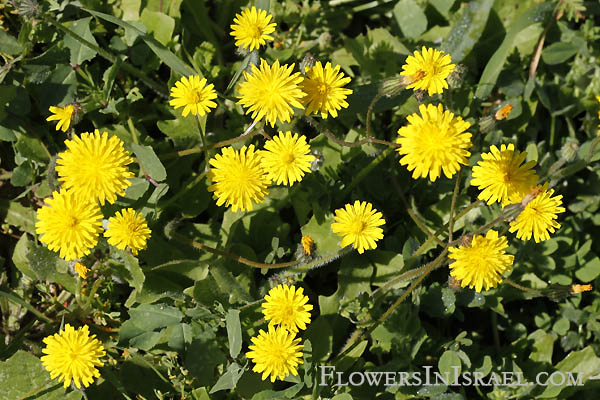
(370,111)
(453,205)
(204,144)
(523,288)
(365,171)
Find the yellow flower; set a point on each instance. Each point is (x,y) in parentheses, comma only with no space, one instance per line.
(128,228)
(481,265)
(598,132)
(94,167)
(252,27)
(275,353)
(358,224)
(501,177)
(308,244)
(194,94)
(580,288)
(286,158)
(239,179)
(503,112)
(81,270)
(286,306)
(62,115)
(69,225)
(427,70)
(73,355)
(433,142)
(324,91)
(539,216)
(271,92)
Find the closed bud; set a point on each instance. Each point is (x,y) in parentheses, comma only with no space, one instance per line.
(569,150)
(307,62)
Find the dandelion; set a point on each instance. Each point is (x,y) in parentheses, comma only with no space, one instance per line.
(308,245)
(194,94)
(239,179)
(580,288)
(433,142)
(324,90)
(128,229)
(501,177)
(286,158)
(481,264)
(358,224)
(275,353)
(63,115)
(94,167)
(74,355)
(427,70)
(286,306)
(252,27)
(539,216)
(271,91)
(69,225)
(81,270)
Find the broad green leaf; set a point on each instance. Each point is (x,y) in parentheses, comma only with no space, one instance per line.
(320,334)
(160,25)
(150,162)
(583,363)
(181,337)
(21,175)
(9,44)
(410,18)
(19,257)
(229,379)
(537,13)
(32,148)
(589,271)
(467,30)
(234,333)
(18,216)
(161,51)
(152,316)
(79,51)
(24,377)
(326,241)
(48,266)
(542,347)
(559,52)
(349,359)
(449,363)
(263,4)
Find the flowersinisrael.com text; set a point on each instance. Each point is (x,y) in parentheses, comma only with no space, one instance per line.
(330,377)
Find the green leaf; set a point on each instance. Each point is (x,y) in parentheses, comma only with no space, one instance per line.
(160,25)
(21,175)
(589,271)
(18,216)
(263,4)
(229,379)
(161,51)
(447,364)
(559,52)
(23,376)
(536,13)
(19,257)
(150,162)
(9,44)
(583,362)
(152,316)
(48,266)
(181,337)
(234,333)
(410,18)
(79,51)
(325,241)
(467,30)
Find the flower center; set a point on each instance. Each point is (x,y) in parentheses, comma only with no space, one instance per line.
(323,89)
(358,227)
(256,32)
(72,221)
(288,158)
(194,96)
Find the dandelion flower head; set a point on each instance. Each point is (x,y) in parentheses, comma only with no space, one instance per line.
(271,91)
(252,28)
(480,265)
(275,353)
(128,228)
(63,115)
(69,225)
(286,158)
(433,142)
(427,70)
(308,245)
(194,95)
(81,270)
(238,177)
(73,355)
(94,167)
(501,175)
(324,90)
(539,216)
(287,306)
(358,225)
